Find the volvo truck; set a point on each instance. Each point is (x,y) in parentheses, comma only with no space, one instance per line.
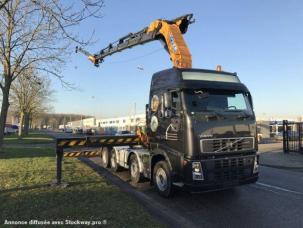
(200,124)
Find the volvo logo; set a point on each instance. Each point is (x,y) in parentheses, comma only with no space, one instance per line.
(205,136)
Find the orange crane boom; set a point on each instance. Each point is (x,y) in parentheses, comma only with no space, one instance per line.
(168,31)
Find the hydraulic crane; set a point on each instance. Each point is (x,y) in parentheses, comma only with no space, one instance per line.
(167,31)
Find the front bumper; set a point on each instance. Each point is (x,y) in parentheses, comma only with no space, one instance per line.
(207,187)
(221,173)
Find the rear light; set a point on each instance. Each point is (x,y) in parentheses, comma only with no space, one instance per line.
(219,68)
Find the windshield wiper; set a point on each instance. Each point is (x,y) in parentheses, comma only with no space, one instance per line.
(233,110)
(244,116)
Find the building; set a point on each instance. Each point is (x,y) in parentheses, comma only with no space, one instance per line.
(74,124)
(122,123)
(270,126)
(89,122)
(84,123)
(110,125)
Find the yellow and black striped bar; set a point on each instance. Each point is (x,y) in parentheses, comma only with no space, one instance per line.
(97,141)
(85,153)
(70,142)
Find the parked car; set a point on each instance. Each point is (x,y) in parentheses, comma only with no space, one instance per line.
(89,131)
(292,135)
(77,131)
(68,130)
(279,137)
(10,129)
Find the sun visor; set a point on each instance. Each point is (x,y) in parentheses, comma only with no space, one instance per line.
(204,76)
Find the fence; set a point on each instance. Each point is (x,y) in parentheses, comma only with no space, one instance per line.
(292,136)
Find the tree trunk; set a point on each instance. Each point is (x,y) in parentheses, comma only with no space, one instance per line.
(26,123)
(21,122)
(31,125)
(4,109)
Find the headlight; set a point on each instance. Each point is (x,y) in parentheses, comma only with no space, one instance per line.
(197,171)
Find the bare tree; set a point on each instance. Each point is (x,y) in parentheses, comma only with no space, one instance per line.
(2,3)
(38,32)
(30,95)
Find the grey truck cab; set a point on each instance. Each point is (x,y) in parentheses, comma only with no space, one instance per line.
(202,131)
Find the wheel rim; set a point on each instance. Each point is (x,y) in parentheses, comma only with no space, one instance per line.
(113,160)
(161,179)
(133,169)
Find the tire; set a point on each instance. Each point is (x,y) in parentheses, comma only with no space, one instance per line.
(134,170)
(113,162)
(162,179)
(105,160)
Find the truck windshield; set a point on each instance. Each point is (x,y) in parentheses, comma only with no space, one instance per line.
(201,100)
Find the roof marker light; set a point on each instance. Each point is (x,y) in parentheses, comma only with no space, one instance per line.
(219,68)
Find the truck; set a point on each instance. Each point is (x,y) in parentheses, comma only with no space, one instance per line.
(200,123)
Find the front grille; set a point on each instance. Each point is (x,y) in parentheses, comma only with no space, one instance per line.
(227,144)
(230,169)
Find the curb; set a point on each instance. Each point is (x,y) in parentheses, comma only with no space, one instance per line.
(283,167)
(162,213)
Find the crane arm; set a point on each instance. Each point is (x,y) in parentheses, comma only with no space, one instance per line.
(168,31)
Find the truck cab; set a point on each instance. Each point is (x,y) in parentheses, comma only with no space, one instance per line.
(202,131)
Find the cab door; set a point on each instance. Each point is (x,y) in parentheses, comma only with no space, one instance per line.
(165,119)
(173,120)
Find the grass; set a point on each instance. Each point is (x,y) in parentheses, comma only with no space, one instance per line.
(25,195)
(32,138)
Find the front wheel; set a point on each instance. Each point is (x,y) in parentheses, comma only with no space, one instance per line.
(162,179)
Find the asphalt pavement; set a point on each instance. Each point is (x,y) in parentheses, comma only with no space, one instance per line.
(276,200)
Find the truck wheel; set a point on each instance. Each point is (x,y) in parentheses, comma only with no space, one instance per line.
(134,170)
(162,179)
(113,162)
(105,157)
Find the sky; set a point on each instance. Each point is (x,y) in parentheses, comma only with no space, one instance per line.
(260,40)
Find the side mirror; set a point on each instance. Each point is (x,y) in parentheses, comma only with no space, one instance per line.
(167,100)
